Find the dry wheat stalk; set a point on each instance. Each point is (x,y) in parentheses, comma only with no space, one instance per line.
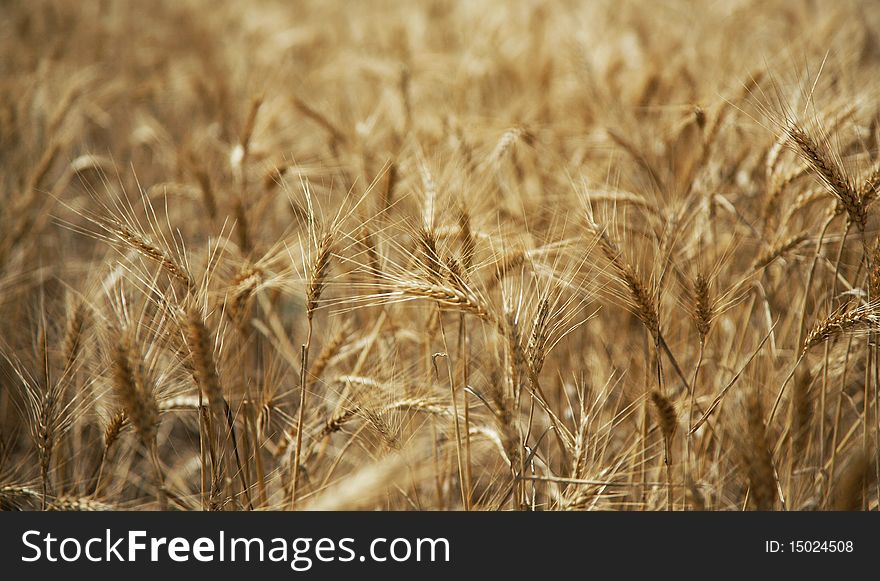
(461,298)
(329,351)
(151,251)
(829,172)
(703,305)
(140,404)
(666,416)
(136,396)
(778,250)
(756,456)
(319,269)
(860,317)
(643,297)
(201,348)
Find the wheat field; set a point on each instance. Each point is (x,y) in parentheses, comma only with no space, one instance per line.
(439,255)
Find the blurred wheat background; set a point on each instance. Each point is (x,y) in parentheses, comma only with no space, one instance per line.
(439,255)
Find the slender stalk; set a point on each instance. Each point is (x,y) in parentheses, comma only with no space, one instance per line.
(455,422)
(464,357)
(300,418)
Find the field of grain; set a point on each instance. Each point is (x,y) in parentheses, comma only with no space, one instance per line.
(439,255)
